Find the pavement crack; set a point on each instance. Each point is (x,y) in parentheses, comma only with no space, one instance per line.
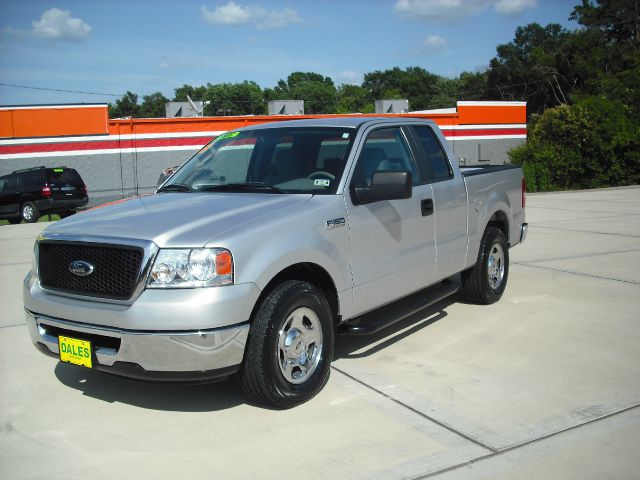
(12,325)
(570,272)
(417,412)
(511,448)
(577,230)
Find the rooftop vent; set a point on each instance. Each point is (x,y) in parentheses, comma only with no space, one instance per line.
(392,106)
(286,107)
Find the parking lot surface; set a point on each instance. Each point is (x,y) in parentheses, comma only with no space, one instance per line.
(543,384)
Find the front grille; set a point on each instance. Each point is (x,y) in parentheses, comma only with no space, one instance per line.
(114,275)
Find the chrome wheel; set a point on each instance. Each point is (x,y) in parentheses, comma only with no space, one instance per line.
(27,212)
(495,266)
(299,345)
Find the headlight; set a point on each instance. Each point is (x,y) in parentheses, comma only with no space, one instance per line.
(188,268)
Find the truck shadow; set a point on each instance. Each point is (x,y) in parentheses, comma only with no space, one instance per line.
(207,397)
(227,394)
(361,346)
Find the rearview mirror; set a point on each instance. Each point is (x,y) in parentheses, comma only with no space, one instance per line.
(385,185)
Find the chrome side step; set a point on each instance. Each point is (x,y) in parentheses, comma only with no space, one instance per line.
(385,316)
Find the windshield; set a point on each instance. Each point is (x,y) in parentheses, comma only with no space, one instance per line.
(269,160)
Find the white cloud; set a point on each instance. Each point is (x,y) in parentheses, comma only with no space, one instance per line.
(58,24)
(275,19)
(349,77)
(514,7)
(233,14)
(447,10)
(434,43)
(457,10)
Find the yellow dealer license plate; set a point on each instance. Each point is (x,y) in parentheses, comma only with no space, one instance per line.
(75,351)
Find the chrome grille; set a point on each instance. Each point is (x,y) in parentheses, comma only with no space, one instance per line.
(116,268)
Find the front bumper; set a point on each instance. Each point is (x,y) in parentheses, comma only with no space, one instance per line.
(181,334)
(201,355)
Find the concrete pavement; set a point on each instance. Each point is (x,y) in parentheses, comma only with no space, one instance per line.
(543,384)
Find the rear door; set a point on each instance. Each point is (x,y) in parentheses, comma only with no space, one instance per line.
(9,195)
(449,202)
(392,241)
(65,184)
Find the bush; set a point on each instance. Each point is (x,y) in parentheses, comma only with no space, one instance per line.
(594,143)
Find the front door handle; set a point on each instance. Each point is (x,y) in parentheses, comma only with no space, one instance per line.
(427,207)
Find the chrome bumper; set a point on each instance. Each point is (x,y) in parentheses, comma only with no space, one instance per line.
(523,232)
(184,355)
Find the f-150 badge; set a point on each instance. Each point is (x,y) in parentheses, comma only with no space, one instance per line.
(335,223)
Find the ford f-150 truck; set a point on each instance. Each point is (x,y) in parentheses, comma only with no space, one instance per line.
(267,242)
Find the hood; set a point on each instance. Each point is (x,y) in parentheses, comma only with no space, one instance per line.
(175,219)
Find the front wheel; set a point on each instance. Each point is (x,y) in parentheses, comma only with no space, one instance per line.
(290,346)
(486,281)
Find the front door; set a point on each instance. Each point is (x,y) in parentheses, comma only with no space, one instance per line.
(392,241)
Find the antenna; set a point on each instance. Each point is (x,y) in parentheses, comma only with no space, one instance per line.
(194,108)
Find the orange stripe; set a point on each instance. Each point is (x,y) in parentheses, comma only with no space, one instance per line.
(69,121)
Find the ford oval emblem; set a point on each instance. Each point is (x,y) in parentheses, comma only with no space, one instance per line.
(81,268)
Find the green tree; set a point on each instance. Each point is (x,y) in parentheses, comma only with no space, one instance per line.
(153,106)
(127,106)
(423,89)
(533,68)
(354,99)
(473,85)
(318,92)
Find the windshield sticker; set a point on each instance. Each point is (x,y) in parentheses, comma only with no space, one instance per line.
(321,182)
(227,135)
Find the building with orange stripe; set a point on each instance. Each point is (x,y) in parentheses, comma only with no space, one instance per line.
(118,158)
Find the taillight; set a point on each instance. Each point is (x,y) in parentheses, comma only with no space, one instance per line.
(84,189)
(46,191)
(524,192)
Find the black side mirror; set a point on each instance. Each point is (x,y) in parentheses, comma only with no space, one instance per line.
(385,185)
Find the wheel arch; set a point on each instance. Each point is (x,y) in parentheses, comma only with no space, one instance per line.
(309,272)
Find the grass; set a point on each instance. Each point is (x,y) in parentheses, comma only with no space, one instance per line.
(45,218)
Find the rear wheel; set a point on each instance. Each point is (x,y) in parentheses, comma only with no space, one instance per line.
(29,212)
(290,346)
(486,281)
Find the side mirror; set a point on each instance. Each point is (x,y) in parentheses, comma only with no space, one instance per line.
(385,185)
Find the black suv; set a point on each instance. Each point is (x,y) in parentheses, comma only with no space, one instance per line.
(27,194)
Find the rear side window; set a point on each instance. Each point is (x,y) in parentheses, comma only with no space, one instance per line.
(438,165)
(59,176)
(10,183)
(34,178)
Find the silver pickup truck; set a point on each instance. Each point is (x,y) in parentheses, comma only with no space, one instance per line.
(265,244)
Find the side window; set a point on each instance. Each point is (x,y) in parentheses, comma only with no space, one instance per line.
(384,149)
(3,182)
(438,165)
(11,183)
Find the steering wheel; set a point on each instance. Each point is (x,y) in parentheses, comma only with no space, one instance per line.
(320,174)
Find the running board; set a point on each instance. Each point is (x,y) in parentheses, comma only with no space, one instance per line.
(383,317)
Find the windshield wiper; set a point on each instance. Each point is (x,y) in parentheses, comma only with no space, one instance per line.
(246,186)
(175,187)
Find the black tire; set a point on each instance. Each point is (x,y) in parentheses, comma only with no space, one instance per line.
(263,376)
(29,212)
(66,213)
(486,281)
(14,220)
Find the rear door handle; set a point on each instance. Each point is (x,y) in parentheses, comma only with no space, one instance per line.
(427,207)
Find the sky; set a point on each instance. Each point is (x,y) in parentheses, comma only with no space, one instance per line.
(93,51)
